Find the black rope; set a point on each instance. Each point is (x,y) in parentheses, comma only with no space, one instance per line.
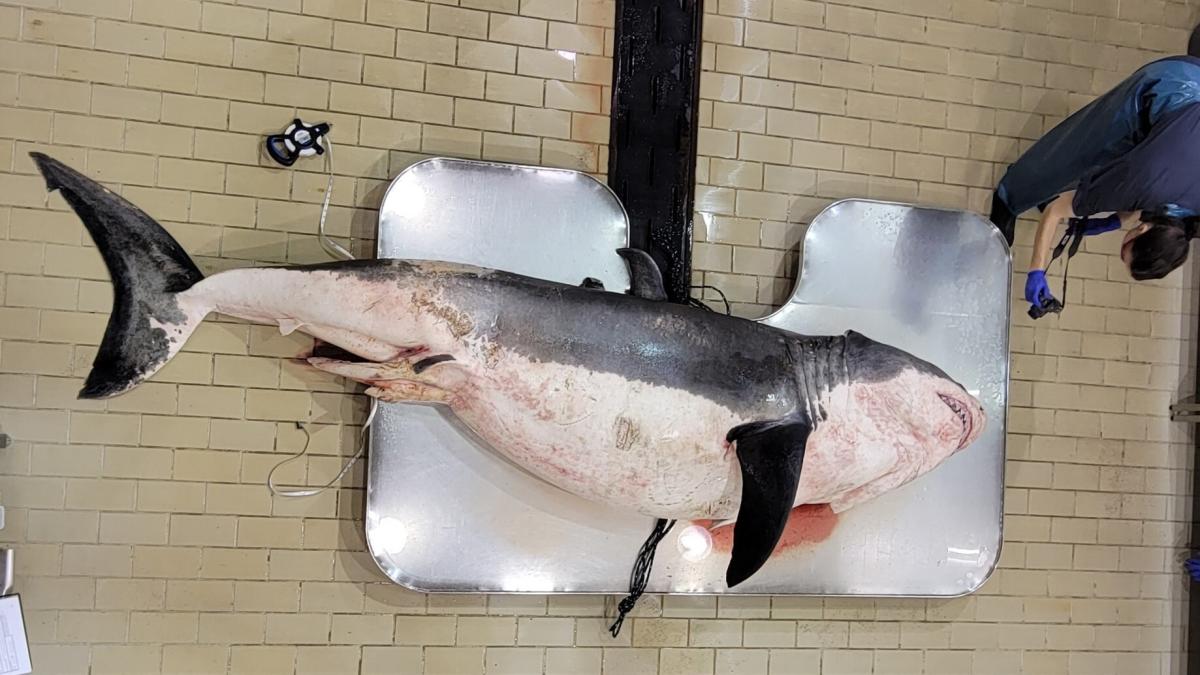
(640,575)
(695,302)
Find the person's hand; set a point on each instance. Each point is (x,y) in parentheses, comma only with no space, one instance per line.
(1093,226)
(1036,288)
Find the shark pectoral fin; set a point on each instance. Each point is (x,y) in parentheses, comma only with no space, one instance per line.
(771,455)
(645,279)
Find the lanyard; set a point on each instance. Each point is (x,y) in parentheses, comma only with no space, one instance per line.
(1074,237)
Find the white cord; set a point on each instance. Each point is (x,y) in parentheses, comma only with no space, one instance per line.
(301,491)
(331,247)
(335,250)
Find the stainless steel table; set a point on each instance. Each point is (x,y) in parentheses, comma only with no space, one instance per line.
(445,513)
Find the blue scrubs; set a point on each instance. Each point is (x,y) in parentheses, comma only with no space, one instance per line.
(1130,149)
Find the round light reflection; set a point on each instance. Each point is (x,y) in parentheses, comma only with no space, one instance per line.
(694,542)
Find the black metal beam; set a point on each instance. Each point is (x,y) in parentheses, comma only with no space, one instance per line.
(654,121)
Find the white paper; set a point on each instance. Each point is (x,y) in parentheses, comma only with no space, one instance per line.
(14,646)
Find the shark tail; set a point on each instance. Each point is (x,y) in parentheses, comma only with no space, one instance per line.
(149,269)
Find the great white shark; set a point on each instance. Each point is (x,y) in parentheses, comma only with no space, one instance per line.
(621,398)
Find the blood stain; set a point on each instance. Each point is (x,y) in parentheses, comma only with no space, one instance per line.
(808,524)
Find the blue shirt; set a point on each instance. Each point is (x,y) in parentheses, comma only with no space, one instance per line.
(1091,150)
(1163,169)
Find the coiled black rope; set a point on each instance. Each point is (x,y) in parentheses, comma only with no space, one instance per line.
(641,572)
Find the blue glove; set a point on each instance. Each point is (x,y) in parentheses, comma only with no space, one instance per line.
(1093,226)
(1036,288)
(1193,567)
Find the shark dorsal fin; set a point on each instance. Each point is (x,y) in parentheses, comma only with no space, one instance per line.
(645,279)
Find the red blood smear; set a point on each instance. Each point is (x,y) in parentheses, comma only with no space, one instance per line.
(808,524)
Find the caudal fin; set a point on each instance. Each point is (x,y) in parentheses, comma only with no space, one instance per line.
(148,268)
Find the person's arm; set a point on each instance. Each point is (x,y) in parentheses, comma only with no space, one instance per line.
(1058,211)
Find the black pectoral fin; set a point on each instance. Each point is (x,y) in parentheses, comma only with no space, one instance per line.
(645,279)
(771,455)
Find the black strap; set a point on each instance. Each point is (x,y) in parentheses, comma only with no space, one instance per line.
(640,575)
(1074,235)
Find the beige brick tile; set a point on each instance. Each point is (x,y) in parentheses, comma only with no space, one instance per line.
(353,10)
(898,662)
(186,594)
(301,30)
(130,593)
(451,141)
(319,660)
(715,633)
(61,658)
(47,493)
(741,61)
(51,94)
(59,29)
(391,661)
(63,526)
(216,50)
(330,597)
(791,67)
(127,104)
(29,57)
(393,73)
(254,660)
(297,629)
(91,626)
(331,65)
(163,627)
(230,627)
(364,39)
(425,631)
(360,99)
(194,658)
(465,23)
(843,130)
(265,56)
(129,38)
(845,662)
(518,30)
(57,593)
(175,13)
(726,30)
(577,38)
(742,661)
(408,14)
(486,631)
(454,81)
(425,47)
(296,91)
(166,562)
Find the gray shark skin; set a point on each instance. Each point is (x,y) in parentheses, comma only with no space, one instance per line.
(625,399)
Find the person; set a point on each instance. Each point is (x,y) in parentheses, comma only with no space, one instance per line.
(1130,154)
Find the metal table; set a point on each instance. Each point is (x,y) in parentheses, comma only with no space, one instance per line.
(446,514)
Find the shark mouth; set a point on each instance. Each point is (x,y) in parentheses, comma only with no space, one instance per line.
(964,414)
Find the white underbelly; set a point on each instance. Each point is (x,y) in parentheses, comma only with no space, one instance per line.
(630,444)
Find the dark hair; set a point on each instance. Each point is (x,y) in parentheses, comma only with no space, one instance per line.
(1163,247)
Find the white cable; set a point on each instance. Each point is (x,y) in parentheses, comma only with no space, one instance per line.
(331,247)
(335,250)
(302,491)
